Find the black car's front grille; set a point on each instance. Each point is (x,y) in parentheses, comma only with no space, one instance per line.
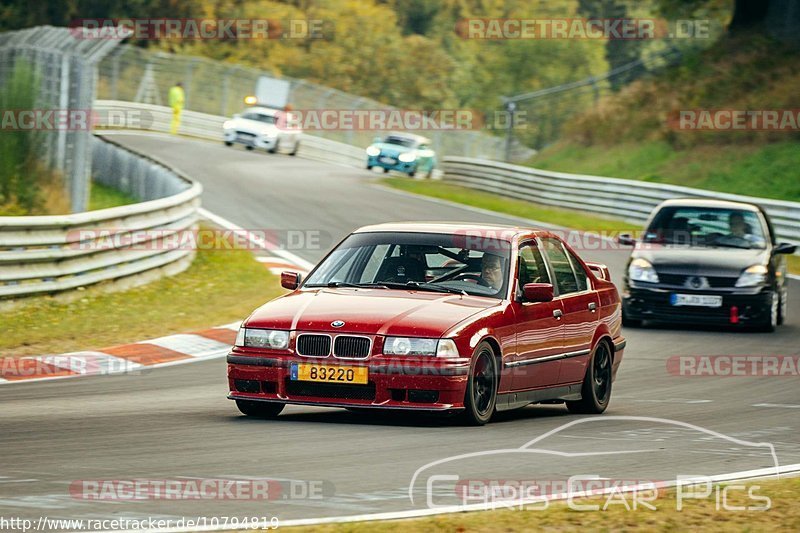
(352,347)
(680,280)
(313,345)
(330,390)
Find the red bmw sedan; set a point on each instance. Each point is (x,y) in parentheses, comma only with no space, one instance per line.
(435,317)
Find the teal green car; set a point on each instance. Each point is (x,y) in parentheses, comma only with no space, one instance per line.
(403,152)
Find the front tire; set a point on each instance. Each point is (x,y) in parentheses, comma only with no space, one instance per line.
(228,143)
(260,409)
(596,389)
(274,148)
(481,396)
(630,322)
(783,307)
(770,323)
(385,170)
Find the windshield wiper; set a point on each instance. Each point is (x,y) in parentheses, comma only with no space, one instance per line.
(426,286)
(347,284)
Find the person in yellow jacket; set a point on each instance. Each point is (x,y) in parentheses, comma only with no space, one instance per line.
(176,101)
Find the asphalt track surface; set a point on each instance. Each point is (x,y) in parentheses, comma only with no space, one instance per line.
(175,423)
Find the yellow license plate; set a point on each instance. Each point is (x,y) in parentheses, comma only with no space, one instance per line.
(329,373)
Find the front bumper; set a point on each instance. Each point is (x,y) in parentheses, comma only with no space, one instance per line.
(394,383)
(654,304)
(394,164)
(249,139)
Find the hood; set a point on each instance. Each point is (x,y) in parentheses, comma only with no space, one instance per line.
(700,261)
(392,149)
(369,311)
(245,124)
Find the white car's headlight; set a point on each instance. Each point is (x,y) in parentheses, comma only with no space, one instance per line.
(641,270)
(227,125)
(407,157)
(753,276)
(373,151)
(417,346)
(274,339)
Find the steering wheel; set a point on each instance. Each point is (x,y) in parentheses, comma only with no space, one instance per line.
(471,277)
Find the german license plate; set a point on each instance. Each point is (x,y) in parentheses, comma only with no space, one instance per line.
(388,160)
(329,373)
(696,300)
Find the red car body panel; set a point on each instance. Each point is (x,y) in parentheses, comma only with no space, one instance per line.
(541,357)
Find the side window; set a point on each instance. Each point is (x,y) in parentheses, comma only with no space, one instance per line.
(580,273)
(531,265)
(562,268)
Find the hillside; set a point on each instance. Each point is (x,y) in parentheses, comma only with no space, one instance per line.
(630,134)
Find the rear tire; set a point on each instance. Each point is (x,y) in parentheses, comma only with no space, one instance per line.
(481,396)
(596,389)
(260,409)
(295,149)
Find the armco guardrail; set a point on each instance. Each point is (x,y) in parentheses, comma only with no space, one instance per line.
(626,199)
(44,254)
(131,115)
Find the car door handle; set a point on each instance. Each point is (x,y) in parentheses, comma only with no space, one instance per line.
(592,307)
(558,313)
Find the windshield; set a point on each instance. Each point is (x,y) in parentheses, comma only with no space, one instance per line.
(706,227)
(420,261)
(266,119)
(402,141)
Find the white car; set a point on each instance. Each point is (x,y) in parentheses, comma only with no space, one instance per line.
(263,127)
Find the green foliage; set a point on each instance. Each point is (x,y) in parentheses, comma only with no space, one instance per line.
(20,174)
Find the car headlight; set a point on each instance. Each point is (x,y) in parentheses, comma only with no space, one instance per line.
(407,157)
(417,346)
(227,125)
(641,270)
(274,339)
(373,151)
(755,275)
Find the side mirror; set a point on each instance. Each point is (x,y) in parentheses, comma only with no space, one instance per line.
(625,239)
(784,248)
(599,270)
(537,292)
(290,280)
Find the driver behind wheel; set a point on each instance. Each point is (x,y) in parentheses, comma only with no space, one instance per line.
(492,270)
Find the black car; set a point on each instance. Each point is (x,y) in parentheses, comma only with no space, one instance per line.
(706,262)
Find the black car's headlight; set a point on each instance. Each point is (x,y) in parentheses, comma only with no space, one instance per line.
(753,276)
(641,270)
(274,339)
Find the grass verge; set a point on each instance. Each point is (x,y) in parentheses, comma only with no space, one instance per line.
(103,197)
(508,206)
(219,287)
(768,171)
(700,514)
